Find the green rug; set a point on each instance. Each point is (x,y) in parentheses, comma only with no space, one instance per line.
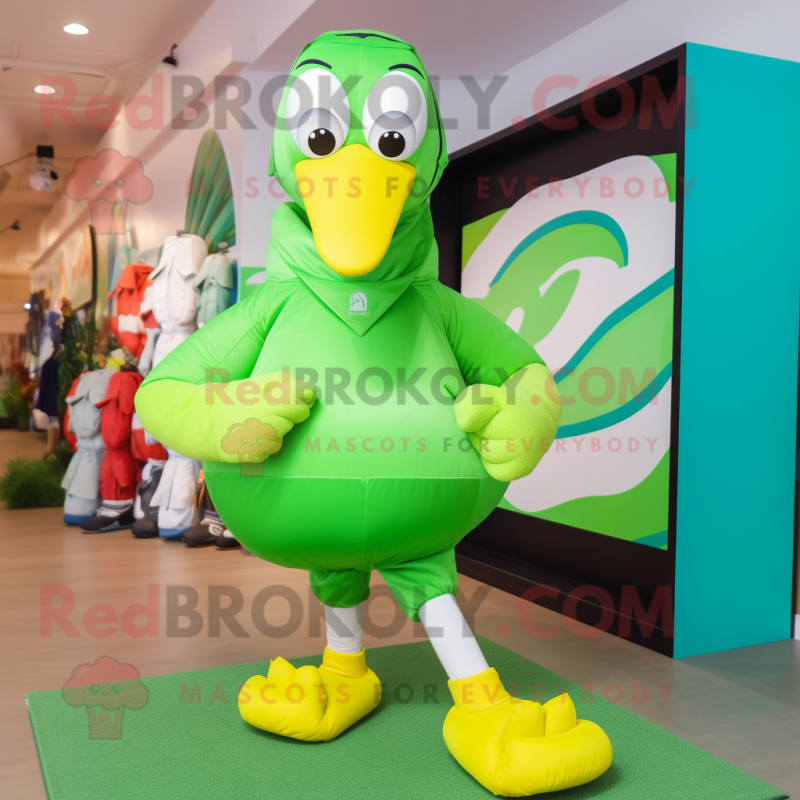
(187,742)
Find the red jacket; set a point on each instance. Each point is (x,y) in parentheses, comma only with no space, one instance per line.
(118,475)
(134,307)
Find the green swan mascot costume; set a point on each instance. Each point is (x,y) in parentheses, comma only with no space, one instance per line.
(413,406)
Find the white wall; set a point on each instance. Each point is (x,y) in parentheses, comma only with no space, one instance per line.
(625,37)
(14,293)
(260,194)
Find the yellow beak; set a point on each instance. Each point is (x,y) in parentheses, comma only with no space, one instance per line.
(353,199)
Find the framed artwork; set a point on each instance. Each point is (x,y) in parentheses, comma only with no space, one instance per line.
(615,233)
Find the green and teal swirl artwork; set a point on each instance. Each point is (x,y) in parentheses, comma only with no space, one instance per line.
(584,270)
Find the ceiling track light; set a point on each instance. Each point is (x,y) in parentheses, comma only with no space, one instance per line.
(41,179)
(14,226)
(171,59)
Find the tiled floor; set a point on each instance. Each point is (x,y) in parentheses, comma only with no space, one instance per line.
(742,705)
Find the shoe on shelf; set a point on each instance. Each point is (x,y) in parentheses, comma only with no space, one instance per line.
(145,528)
(228,541)
(109,519)
(206,533)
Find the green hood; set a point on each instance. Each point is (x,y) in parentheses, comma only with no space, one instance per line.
(358,59)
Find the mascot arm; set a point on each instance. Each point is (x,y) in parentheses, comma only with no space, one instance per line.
(487,350)
(513,425)
(202,401)
(511,408)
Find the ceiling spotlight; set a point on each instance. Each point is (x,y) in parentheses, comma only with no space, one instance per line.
(76,28)
(13,227)
(171,59)
(40,180)
(42,177)
(44,89)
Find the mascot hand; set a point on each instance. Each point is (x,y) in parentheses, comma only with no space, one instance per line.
(267,407)
(513,425)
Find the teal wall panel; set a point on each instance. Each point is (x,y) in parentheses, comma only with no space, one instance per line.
(739,337)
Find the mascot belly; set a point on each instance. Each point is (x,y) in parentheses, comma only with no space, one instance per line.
(380,473)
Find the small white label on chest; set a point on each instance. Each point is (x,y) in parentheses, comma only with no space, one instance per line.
(358,305)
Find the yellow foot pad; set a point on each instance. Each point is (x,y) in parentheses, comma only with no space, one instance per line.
(517,748)
(309,703)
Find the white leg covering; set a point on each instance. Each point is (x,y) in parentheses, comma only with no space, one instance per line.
(344,629)
(451,638)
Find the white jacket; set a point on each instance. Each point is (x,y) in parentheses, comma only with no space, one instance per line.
(82,479)
(175,308)
(174,296)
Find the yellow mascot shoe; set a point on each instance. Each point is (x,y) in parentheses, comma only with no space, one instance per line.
(309,703)
(516,748)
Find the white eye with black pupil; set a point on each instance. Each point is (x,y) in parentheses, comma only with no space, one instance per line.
(393,136)
(317,113)
(395,116)
(319,133)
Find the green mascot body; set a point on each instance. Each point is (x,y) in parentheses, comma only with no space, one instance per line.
(414,406)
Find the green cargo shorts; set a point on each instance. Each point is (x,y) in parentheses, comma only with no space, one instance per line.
(412,583)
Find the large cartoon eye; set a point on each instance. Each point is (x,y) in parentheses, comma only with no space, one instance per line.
(395,116)
(393,136)
(116,688)
(318,113)
(94,688)
(319,133)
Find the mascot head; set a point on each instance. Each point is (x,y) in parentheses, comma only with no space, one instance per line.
(359,143)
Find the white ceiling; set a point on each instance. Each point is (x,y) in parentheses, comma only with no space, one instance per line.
(126,40)
(482,38)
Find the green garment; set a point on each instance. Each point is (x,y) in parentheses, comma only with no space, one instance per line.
(378,474)
(367,481)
